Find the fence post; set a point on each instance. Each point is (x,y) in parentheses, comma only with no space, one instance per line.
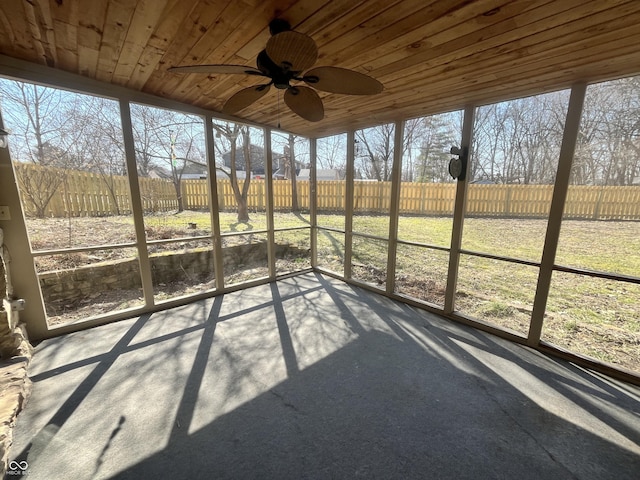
(596,210)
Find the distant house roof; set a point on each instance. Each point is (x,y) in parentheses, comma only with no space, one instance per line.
(194,171)
(190,171)
(483,181)
(321,174)
(159,172)
(257,156)
(257,160)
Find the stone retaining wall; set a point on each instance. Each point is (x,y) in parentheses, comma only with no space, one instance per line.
(67,287)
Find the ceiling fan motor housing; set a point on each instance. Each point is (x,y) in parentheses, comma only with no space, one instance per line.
(279,76)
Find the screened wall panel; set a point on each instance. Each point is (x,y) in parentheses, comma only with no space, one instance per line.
(369,261)
(597,313)
(77,286)
(596,317)
(372,180)
(68,157)
(427,191)
(245,258)
(240,170)
(182,268)
(421,273)
(172,170)
(497,292)
(291,180)
(513,168)
(293,252)
(331,250)
(331,165)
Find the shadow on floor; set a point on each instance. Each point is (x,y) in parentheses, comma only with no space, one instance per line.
(311,378)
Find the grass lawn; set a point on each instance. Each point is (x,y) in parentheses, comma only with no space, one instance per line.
(600,318)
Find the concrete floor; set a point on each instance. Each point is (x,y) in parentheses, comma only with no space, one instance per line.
(312,378)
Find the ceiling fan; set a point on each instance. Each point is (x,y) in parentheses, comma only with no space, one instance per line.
(286,56)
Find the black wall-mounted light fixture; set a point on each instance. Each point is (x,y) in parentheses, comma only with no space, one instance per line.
(458,166)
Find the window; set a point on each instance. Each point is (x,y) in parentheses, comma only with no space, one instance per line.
(594,301)
(512,172)
(172,174)
(427,195)
(70,166)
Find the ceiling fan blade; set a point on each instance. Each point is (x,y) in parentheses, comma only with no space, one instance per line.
(241,69)
(305,102)
(245,97)
(342,80)
(293,51)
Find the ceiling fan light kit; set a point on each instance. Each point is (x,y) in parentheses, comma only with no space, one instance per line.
(286,56)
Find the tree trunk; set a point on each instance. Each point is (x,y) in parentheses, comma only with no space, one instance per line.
(240,195)
(177,185)
(243,210)
(294,185)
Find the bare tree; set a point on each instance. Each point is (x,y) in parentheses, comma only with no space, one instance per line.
(434,137)
(375,152)
(167,142)
(295,155)
(518,141)
(38,118)
(105,147)
(615,136)
(229,134)
(332,153)
(291,151)
(412,132)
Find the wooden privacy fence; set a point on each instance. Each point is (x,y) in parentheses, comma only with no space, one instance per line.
(76,193)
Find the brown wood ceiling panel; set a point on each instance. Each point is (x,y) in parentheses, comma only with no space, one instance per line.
(431,55)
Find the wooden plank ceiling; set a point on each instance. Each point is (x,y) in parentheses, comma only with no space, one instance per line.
(431,56)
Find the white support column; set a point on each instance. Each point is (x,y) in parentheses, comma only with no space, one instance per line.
(214,210)
(24,279)
(313,204)
(136,203)
(268,181)
(458,213)
(348,204)
(396,177)
(565,160)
